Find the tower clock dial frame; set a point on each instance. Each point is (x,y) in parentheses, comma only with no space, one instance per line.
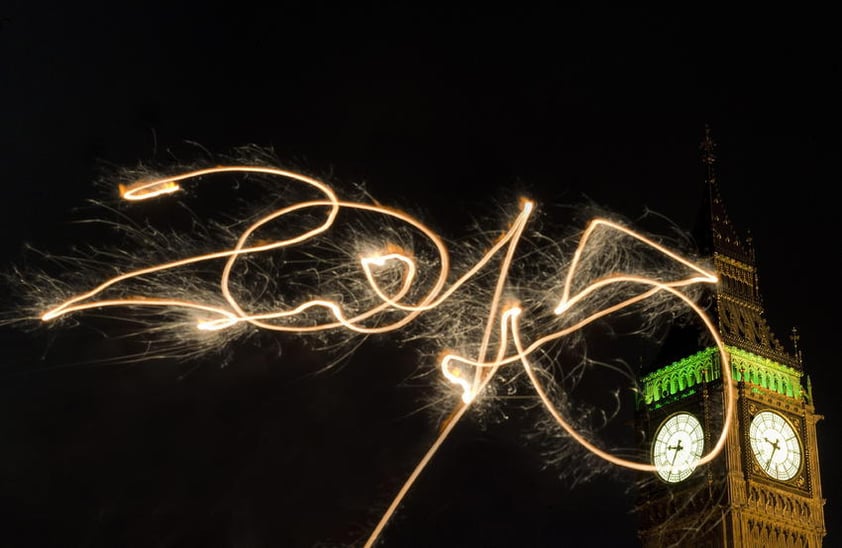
(678,447)
(775,445)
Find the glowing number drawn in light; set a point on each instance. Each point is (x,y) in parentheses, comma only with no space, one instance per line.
(503,323)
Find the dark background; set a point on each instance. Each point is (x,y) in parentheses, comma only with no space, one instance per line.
(440,110)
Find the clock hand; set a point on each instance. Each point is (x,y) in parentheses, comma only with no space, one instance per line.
(774,448)
(677,448)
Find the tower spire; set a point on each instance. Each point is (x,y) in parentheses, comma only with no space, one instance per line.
(739,306)
(708,148)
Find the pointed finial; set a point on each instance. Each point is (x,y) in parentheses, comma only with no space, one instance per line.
(796,337)
(708,148)
(750,244)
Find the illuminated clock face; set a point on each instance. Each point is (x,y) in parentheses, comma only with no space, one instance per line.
(678,446)
(775,445)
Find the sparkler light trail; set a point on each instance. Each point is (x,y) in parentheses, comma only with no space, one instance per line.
(404,275)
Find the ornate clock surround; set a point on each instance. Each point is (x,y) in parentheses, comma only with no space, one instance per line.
(756,399)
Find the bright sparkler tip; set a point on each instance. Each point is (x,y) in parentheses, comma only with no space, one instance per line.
(561,308)
(456,376)
(378,260)
(381,260)
(513,311)
(143,190)
(392,252)
(215,325)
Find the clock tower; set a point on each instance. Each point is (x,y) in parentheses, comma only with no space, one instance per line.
(764,488)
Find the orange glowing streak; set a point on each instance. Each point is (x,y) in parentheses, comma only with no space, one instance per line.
(71,306)
(414,310)
(449,424)
(452,365)
(726,374)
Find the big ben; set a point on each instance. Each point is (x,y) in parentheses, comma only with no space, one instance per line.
(764,488)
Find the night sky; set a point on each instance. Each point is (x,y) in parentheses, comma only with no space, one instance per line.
(448,113)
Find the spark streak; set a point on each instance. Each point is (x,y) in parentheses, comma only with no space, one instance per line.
(390,305)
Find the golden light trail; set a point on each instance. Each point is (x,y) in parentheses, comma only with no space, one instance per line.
(398,290)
